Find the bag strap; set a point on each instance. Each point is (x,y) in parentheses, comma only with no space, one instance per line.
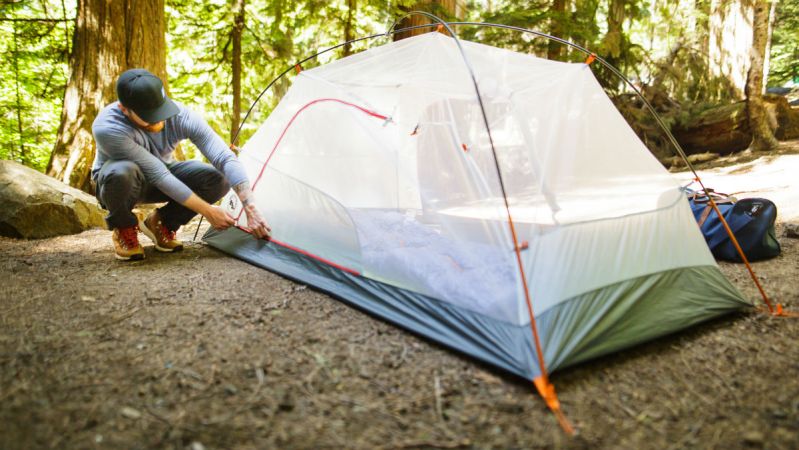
(718,197)
(705,215)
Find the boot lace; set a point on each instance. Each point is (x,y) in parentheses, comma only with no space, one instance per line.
(129,237)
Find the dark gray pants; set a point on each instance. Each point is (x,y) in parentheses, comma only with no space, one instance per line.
(121,186)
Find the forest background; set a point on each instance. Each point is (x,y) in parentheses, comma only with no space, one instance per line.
(59,58)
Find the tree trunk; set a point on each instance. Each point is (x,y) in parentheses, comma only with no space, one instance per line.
(22,157)
(238,27)
(442,8)
(767,64)
(614,39)
(729,42)
(583,16)
(557,12)
(110,37)
(762,134)
(348,34)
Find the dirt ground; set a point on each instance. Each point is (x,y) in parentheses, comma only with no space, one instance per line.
(201,351)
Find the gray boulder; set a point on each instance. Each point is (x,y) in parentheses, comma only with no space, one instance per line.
(33,205)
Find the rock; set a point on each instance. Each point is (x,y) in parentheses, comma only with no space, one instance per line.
(754,438)
(33,205)
(130,413)
(792,230)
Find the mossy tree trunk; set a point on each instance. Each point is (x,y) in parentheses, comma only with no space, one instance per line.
(762,134)
(110,37)
(729,42)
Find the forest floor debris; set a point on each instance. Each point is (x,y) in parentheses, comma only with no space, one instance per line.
(199,350)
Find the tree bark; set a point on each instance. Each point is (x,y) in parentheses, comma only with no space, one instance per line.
(22,155)
(450,7)
(762,134)
(238,27)
(555,50)
(767,64)
(729,41)
(613,40)
(348,34)
(66,25)
(110,37)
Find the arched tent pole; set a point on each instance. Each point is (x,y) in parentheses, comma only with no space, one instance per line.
(542,383)
(299,64)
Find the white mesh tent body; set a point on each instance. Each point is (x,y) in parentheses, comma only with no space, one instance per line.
(377,175)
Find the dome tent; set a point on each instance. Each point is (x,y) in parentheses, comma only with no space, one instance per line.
(385,189)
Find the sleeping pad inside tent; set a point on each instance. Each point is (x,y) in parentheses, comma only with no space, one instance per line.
(377,175)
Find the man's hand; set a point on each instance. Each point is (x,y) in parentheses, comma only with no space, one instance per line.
(215,215)
(256,223)
(218,218)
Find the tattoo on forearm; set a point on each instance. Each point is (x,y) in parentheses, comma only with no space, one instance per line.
(244,192)
(244,186)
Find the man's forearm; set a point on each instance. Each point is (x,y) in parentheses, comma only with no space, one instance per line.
(245,194)
(255,222)
(197,204)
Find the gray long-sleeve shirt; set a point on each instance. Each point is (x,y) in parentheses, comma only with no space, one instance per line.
(118,138)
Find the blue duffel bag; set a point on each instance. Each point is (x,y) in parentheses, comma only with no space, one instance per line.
(750,219)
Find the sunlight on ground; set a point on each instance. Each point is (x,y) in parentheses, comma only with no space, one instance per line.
(774,178)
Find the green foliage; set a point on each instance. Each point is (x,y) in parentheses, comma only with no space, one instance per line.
(34,46)
(785,45)
(660,44)
(578,24)
(277,34)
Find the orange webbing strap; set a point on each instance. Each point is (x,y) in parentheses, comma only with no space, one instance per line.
(591,58)
(545,388)
(778,311)
(439,28)
(547,391)
(298,68)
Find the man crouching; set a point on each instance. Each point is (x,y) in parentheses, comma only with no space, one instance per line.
(136,137)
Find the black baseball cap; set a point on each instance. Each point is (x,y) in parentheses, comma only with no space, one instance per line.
(143,92)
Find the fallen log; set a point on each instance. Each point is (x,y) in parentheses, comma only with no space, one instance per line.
(725,129)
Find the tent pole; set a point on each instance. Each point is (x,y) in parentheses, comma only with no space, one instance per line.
(542,383)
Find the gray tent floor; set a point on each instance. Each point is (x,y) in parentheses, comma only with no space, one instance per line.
(201,347)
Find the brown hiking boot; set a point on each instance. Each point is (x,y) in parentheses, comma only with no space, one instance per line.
(163,238)
(126,243)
